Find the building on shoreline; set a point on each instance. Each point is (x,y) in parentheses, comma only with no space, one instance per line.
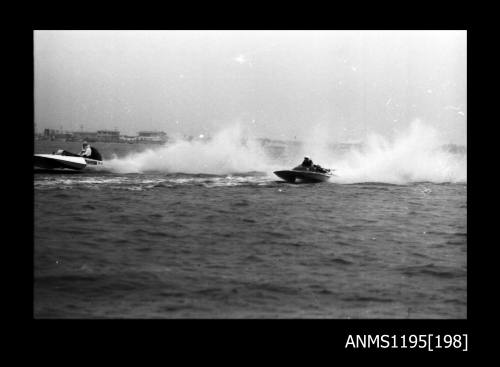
(108,136)
(53,134)
(128,139)
(104,136)
(90,136)
(158,137)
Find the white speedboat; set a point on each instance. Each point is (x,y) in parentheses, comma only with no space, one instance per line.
(305,174)
(65,160)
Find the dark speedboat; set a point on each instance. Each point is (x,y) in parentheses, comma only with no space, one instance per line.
(305,174)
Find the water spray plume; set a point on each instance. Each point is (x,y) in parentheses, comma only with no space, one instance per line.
(227,152)
(416,154)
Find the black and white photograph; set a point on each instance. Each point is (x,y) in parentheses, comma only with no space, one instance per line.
(250,174)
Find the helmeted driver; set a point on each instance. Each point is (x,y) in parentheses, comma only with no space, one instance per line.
(307,162)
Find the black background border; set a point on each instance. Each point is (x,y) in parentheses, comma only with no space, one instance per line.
(211,337)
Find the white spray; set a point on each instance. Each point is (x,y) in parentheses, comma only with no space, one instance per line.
(229,151)
(413,155)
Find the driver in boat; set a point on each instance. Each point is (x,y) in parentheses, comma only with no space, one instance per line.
(86,151)
(308,163)
(90,152)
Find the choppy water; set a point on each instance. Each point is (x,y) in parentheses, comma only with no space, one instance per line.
(245,245)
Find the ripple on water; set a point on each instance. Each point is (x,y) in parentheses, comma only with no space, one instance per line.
(241,247)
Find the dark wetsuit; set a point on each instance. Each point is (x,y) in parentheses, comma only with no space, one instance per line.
(95,154)
(307,163)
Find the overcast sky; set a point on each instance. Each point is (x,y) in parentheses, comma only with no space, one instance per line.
(279,84)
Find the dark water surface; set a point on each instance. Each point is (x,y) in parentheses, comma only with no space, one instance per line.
(176,245)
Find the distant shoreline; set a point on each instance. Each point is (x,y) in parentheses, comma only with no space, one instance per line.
(453,148)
